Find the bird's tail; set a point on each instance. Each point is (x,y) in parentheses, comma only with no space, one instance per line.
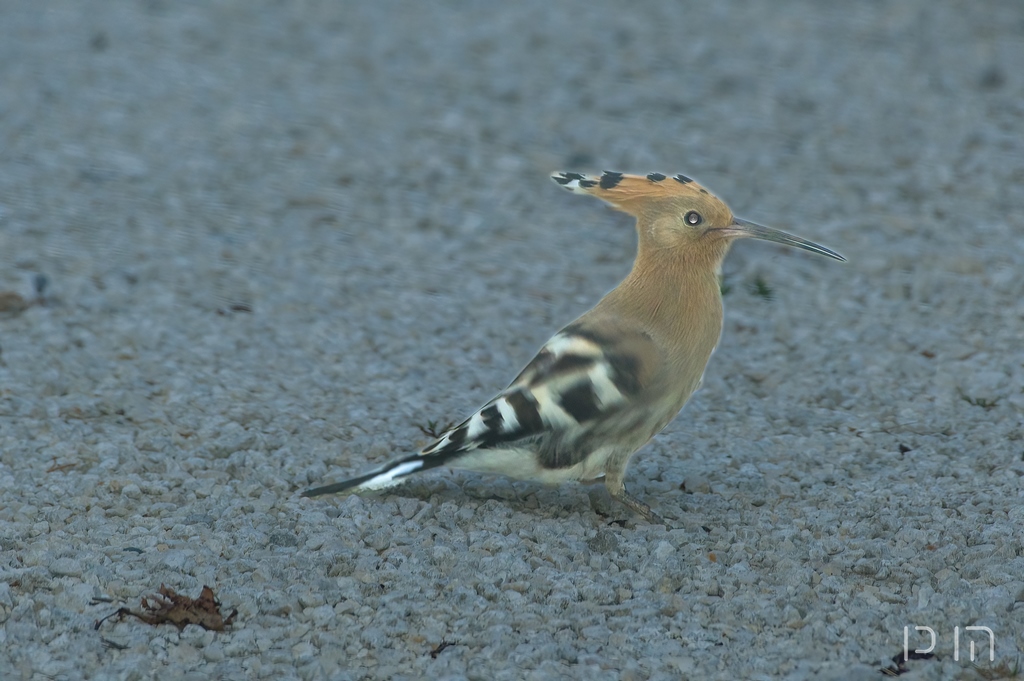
(390,475)
(508,417)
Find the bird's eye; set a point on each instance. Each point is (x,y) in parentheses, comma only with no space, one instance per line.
(693,218)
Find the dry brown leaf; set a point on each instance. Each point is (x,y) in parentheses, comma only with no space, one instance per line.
(12,303)
(169,607)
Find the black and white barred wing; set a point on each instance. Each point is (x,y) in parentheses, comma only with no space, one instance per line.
(576,381)
(577,378)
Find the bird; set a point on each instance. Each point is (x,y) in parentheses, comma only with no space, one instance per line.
(607,383)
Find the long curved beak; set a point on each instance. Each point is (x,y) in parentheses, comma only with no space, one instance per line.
(742,228)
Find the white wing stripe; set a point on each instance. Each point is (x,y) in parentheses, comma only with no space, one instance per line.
(607,393)
(509,420)
(566,344)
(550,412)
(476,426)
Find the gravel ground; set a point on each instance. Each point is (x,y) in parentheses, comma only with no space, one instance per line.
(277,238)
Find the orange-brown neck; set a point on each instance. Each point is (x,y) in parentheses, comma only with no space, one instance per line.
(675,294)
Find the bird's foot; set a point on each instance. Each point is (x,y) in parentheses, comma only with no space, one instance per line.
(637,506)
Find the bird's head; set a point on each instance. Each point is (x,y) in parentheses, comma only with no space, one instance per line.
(676,212)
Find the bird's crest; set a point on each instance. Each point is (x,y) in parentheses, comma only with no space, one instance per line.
(632,193)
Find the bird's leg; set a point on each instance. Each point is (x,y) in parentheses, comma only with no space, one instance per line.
(617,490)
(638,507)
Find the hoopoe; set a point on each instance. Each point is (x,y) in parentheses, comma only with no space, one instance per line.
(607,383)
